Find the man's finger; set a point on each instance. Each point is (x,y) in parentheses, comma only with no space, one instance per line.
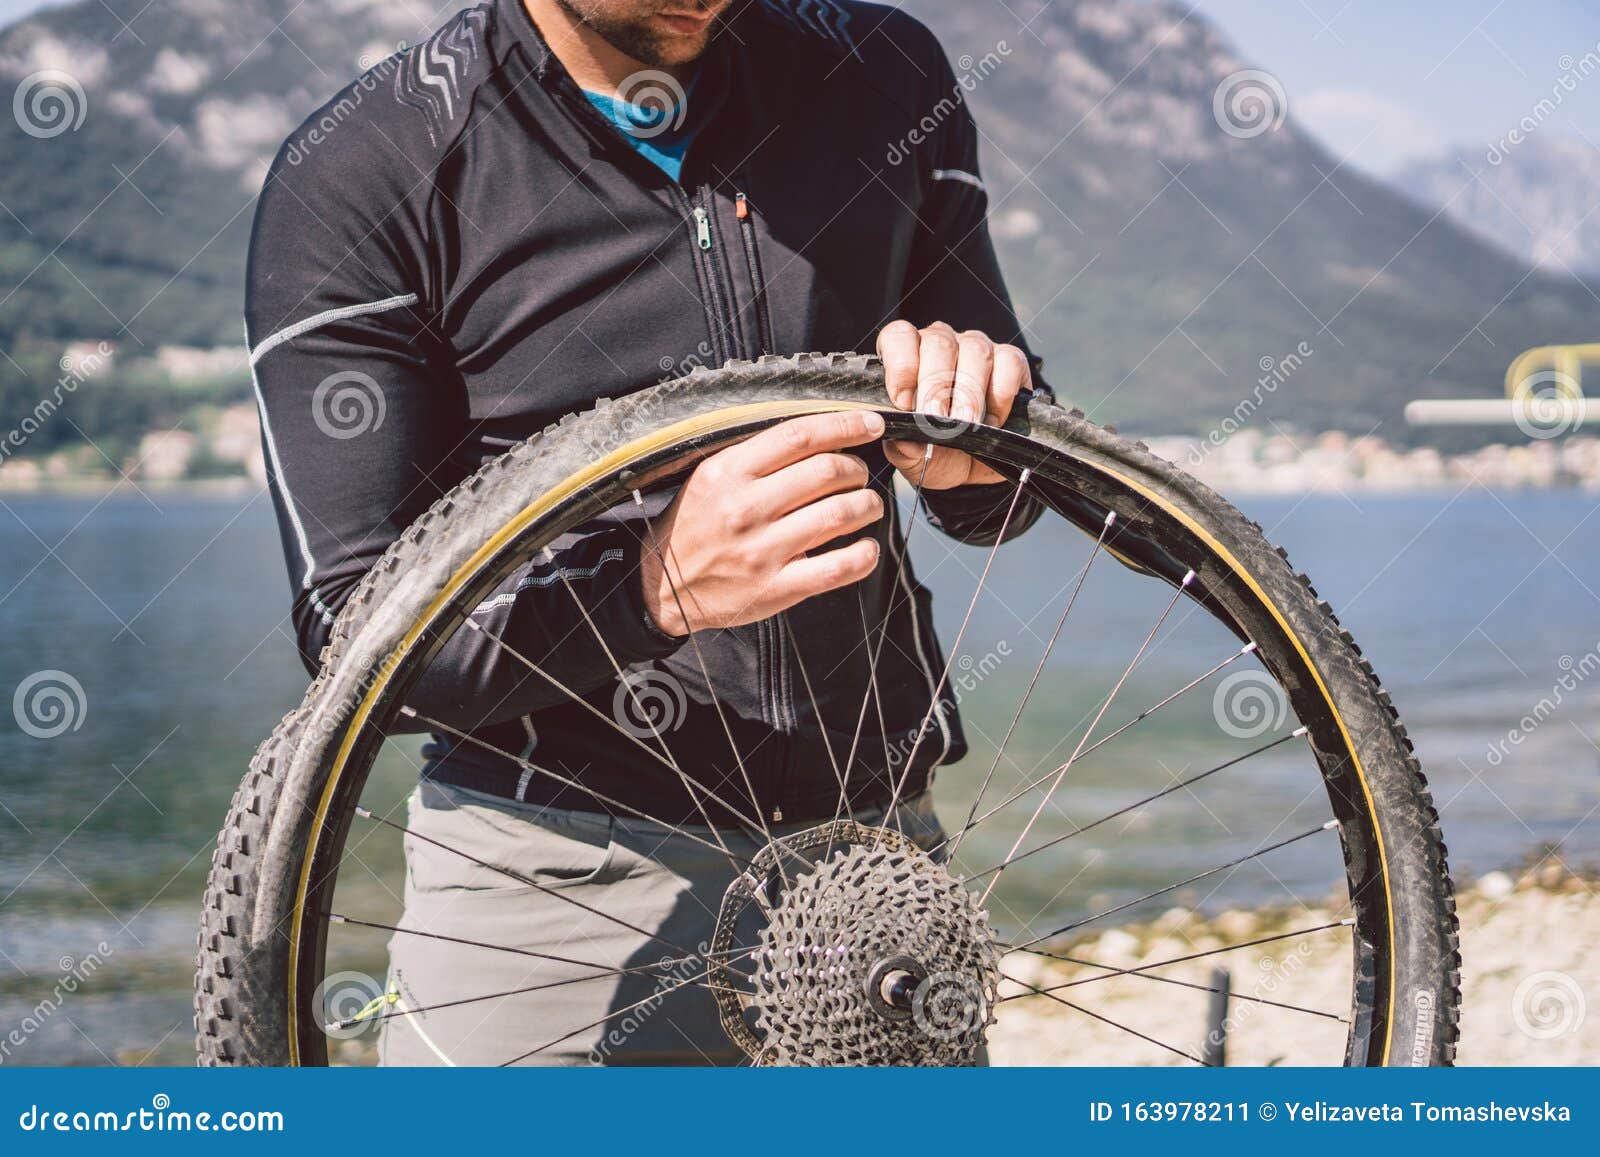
(936,373)
(799,438)
(906,457)
(1011,374)
(805,482)
(822,522)
(969,399)
(898,344)
(811,575)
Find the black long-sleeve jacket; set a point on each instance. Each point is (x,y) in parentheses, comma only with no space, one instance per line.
(458,250)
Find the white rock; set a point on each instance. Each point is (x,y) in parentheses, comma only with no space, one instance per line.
(1116,946)
(1496,885)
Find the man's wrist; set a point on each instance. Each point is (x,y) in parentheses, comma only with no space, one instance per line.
(659,604)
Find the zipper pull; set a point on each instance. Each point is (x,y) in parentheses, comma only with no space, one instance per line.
(741,208)
(702,228)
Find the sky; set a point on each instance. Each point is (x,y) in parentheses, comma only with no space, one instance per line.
(1389,81)
(1384,82)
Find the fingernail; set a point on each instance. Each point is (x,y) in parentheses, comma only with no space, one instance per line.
(872,423)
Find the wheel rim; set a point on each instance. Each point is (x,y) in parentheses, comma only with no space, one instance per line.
(1076,488)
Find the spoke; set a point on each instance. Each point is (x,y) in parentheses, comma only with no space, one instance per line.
(698,978)
(955,647)
(568,781)
(648,540)
(1257,854)
(1112,972)
(1107,1020)
(604,969)
(688,784)
(1099,743)
(664,758)
(351,1022)
(664,962)
(874,689)
(1149,799)
(1141,969)
(872,693)
(811,695)
(1032,683)
(521,879)
(1061,774)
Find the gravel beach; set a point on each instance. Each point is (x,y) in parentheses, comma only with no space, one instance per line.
(1530,946)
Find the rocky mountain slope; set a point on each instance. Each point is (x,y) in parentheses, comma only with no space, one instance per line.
(1170,247)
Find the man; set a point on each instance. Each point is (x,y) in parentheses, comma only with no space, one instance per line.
(546,204)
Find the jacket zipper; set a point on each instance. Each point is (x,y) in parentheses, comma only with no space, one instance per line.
(752,256)
(723,330)
(699,223)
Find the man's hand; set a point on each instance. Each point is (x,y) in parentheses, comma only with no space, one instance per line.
(735,538)
(950,375)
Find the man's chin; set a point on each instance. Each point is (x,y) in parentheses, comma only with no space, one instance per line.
(673,51)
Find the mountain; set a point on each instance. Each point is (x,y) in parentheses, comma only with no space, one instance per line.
(1539,199)
(1173,256)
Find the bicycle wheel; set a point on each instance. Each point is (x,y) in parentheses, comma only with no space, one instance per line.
(1321,770)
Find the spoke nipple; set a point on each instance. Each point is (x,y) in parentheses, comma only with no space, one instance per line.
(927,452)
(1330,825)
(1188,578)
(335,918)
(408,711)
(549,555)
(1248,648)
(638,499)
(472,624)
(1026,474)
(363,812)
(1298,732)
(1348,921)
(1111,516)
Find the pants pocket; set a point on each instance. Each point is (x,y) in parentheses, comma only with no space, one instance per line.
(522,845)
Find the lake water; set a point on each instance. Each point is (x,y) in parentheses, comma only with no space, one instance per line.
(168,611)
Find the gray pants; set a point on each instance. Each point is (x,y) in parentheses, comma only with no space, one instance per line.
(563,1011)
